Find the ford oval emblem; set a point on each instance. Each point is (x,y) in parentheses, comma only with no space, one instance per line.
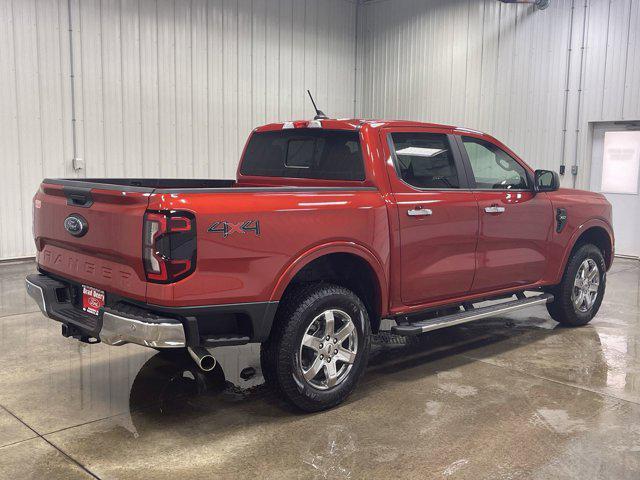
(76,225)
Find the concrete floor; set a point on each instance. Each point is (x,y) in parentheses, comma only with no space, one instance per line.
(515,397)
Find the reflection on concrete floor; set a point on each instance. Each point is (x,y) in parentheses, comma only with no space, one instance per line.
(505,397)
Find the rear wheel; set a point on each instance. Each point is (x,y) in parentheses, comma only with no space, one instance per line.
(319,347)
(579,295)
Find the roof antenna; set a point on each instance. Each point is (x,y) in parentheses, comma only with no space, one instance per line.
(319,113)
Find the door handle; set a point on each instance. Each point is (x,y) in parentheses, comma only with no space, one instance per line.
(494,209)
(419,212)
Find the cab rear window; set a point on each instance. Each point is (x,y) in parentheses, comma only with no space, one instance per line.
(304,153)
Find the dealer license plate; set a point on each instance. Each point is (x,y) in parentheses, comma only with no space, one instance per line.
(92,299)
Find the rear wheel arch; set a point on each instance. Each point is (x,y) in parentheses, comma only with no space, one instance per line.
(304,376)
(349,266)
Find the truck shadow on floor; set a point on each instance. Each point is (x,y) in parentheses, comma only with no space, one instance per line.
(174,388)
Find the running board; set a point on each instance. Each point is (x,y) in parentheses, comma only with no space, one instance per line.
(470,315)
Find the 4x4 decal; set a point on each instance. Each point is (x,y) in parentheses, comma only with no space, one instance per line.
(227,228)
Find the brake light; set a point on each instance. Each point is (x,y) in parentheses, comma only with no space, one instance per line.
(169,246)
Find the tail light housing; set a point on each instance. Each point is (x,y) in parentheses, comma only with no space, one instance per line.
(169,245)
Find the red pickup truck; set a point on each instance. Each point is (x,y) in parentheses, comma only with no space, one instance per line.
(330,227)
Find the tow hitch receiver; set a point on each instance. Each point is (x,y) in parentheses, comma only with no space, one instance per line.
(71,331)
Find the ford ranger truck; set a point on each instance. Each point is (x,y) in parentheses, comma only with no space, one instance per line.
(330,227)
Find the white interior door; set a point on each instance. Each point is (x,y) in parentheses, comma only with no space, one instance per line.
(615,172)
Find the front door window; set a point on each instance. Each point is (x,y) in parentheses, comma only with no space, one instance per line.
(493,168)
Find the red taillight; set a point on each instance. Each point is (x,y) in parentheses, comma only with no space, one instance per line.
(169,246)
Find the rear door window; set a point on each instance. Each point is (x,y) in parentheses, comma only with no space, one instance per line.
(425,160)
(304,153)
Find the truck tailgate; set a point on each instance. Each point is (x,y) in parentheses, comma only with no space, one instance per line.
(108,255)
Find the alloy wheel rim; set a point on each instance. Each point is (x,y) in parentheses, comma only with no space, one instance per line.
(586,285)
(328,349)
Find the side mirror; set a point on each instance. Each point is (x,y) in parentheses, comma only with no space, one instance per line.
(546,181)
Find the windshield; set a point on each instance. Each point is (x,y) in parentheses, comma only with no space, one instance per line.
(304,153)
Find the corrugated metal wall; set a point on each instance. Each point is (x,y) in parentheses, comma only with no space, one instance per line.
(510,70)
(172,87)
(35,112)
(165,88)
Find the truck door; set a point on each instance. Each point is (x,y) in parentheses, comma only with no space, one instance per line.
(515,222)
(437,214)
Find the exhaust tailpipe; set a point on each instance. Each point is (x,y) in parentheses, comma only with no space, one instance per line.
(203,358)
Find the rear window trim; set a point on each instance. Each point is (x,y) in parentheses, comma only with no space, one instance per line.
(356,133)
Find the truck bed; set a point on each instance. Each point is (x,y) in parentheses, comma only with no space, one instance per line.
(186,185)
(235,264)
(140,184)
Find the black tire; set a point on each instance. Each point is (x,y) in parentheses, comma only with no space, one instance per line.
(280,353)
(562,309)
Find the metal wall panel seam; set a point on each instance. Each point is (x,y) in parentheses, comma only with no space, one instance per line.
(20,230)
(626,57)
(580,96)
(566,89)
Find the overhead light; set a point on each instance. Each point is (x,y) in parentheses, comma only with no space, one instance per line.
(420,151)
(539,4)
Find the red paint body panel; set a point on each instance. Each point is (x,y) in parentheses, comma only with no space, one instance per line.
(460,253)
(437,253)
(512,246)
(584,210)
(246,267)
(109,256)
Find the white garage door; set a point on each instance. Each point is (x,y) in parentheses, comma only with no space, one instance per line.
(615,172)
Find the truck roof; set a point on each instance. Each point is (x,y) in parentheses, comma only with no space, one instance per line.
(355,123)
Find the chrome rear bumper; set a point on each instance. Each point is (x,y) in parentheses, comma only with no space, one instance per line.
(118,330)
(36,292)
(111,326)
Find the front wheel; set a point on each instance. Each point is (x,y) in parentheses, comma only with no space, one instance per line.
(579,295)
(319,347)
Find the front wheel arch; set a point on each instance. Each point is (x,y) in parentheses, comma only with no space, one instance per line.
(562,308)
(595,232)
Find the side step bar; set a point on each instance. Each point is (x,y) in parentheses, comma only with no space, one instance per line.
(470,315)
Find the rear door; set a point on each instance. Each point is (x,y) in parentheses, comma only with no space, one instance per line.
(437,215)
(515,222)
(107,253)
